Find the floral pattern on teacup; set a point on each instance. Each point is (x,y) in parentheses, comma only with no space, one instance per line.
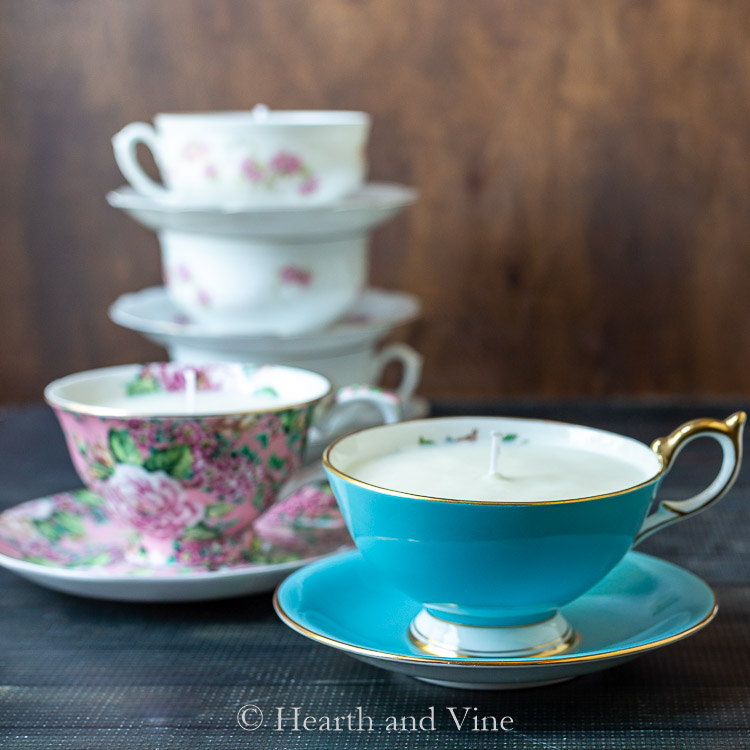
(187,480)
(171,377)
(151,501)
(295,276)
(206,164)
(284,165)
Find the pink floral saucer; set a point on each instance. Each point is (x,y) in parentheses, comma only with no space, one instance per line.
(67,542)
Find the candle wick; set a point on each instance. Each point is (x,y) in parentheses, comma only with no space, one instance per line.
(190,388)
(495,453)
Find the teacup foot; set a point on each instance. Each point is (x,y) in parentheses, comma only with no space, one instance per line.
(445,638)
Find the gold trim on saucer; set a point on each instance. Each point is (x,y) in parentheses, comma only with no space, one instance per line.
(459,662)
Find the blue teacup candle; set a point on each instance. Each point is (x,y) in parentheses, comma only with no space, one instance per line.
(499,523)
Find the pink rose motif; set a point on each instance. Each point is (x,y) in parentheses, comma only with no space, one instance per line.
(286,163)
(310,185)
(183,272)
(204,299)
(296,275)
(251,170)
(170,378)
(152,503)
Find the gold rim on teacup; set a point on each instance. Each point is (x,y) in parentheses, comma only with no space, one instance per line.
(78,407)
(665,449)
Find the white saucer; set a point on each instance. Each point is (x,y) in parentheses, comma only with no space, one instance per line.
(375,314)
(374,204)
(641,605)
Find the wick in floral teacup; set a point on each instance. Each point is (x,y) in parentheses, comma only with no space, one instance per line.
(191,379)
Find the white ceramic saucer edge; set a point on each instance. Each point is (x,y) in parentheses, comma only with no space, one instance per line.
(507,674)
(374,204)
(205,586)
(378,192)
(124,312)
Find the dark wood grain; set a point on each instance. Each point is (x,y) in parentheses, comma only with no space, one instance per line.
(584,170)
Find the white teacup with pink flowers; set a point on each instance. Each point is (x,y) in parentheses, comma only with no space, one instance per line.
(263,286)
(187,457)
(252,158)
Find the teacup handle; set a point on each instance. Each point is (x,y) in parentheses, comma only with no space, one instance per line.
(124,144)
(728,434)
(411,363)
(334,421)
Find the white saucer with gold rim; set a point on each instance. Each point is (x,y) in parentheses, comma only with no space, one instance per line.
(643,604)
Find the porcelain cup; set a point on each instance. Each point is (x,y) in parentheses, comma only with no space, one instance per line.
(349,365)
(189,456)
(492,576)
(258,158)
(263,286)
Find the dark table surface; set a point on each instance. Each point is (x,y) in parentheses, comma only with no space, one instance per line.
(80,673)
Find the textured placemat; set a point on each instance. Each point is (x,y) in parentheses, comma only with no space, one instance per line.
(80,673)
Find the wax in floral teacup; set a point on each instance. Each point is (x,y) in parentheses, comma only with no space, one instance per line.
(188,457)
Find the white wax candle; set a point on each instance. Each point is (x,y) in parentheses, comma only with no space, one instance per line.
(526,472)
(197,403)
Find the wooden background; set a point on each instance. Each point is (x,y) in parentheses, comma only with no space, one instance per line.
(584,168)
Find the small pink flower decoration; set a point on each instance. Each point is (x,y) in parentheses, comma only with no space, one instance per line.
(204,300)
(211,172)
(356,318)
(286,163)
(183,272)
(295,275)
(194,150)
(151,502)
(252,170)
(310,185)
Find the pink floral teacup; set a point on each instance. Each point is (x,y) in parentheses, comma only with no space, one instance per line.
(188,457)
(256,158)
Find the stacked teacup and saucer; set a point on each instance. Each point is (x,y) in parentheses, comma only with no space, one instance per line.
(194,469)
(264,221)
(497,553)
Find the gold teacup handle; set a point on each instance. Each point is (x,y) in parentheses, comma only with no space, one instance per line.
(728,433)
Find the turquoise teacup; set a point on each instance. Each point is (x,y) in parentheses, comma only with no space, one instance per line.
(494,552)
